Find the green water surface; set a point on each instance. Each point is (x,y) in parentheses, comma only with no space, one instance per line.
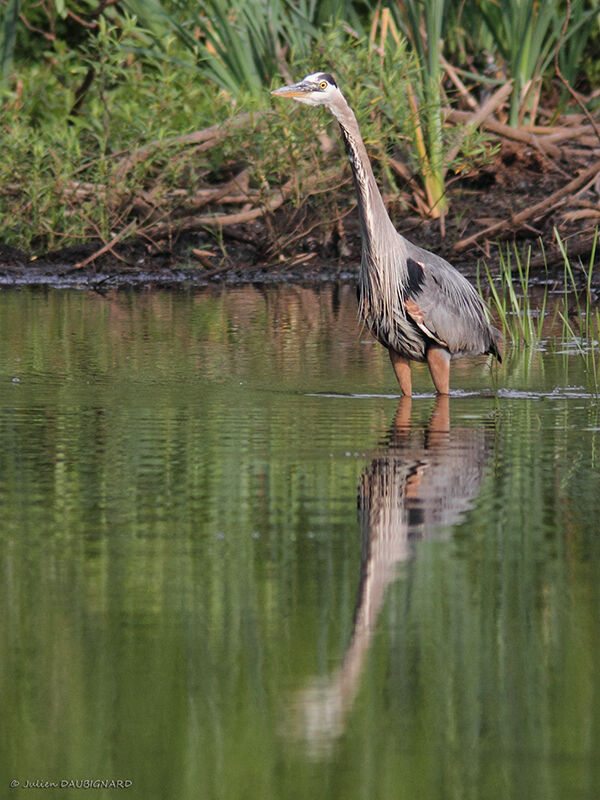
(233,564)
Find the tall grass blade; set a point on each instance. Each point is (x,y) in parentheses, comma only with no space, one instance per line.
(512,304)
(8,34)
(422,22)
(158,20)
(525,34)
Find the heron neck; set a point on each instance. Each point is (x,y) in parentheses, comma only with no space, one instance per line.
(374,219)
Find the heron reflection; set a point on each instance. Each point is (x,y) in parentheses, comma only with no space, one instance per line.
(420,485)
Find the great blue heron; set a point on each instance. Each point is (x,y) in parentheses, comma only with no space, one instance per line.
(415,303)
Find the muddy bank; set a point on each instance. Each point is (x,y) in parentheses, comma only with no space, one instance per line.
(65,276)
(518,201)
(137,265)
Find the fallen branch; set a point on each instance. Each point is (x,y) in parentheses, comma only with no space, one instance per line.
(212,135)
(204,257)
(225,220)
(410,179)
(481,116)
(453,75)
(579,132)
(240,183)
(108,246)
(499,128)
(517,220)
(582,213)
(553,255)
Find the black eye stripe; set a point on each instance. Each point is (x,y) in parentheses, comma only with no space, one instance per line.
(325,76)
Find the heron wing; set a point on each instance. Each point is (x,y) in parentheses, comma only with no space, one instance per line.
(417,316)
(444,305)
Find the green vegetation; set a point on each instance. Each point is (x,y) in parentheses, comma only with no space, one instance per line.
(510,298)
(524,36)
(532,316)
(105,105)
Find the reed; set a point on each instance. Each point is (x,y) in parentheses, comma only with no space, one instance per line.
(522,37)
(573,320)
(580,315)
(510,302)
(583,306)
(423,25)
(8,35)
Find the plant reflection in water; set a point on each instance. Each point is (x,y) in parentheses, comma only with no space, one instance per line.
(421,484)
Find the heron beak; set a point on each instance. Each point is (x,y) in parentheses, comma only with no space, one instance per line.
(293,90)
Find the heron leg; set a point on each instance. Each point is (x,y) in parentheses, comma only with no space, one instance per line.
(438,361)
(401,367)
(439,424)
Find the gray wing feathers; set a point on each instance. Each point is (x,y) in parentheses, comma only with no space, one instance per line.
(451,307)
(409,297)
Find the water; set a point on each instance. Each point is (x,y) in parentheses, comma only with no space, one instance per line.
(235,565)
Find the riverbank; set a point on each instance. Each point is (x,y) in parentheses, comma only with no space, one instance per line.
(521,202)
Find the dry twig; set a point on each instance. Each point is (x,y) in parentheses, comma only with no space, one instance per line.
(499,128)
(224,220)
(207,137)
(534,211)
(108,246)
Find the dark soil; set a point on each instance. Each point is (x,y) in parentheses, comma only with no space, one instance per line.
(325,250)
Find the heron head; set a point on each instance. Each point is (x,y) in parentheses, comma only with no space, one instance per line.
(318,89)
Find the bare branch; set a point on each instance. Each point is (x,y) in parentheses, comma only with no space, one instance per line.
(108,246)
(533,211)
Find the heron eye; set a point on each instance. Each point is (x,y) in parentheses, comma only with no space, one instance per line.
(323,85)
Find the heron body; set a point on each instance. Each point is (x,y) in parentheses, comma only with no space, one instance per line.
(414,302)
